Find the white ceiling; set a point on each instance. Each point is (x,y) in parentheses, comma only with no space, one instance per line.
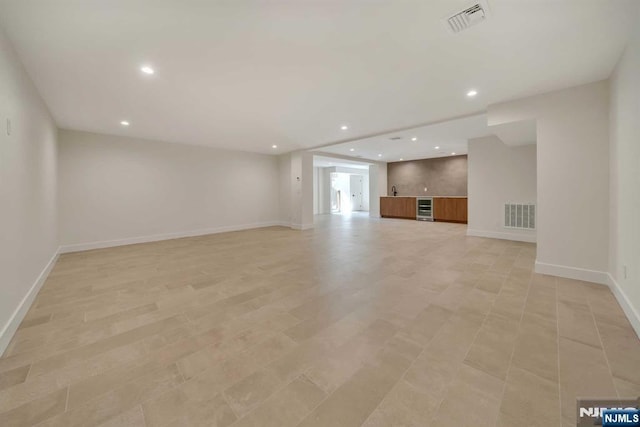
(327,162)
(249,74)
(450,137)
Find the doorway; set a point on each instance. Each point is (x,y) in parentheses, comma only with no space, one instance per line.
(340,187)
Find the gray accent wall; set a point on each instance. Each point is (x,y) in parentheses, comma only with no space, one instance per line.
(443,176)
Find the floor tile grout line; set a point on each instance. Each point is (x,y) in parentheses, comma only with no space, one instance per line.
(506,378)
(333,391)
(604,350)
(66,403)
(277,390)
(233,411)
(558,346)
(475,337)
(144,417)
(417,357)
(137,341)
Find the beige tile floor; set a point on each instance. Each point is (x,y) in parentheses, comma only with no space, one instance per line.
(357,322)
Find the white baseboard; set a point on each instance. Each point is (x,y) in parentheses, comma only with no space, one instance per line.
(600,277)
(155,238)
(11,326)
(301,226)
(631,313)
(530,238)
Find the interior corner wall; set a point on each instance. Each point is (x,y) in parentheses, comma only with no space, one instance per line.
(284,185)
(316,190)
(499,174)
(377,187)
(301,185)
(572,177)
(28,228)
(116,190)
(325,191)
(624,206)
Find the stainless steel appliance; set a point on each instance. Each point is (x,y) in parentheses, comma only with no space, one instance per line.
(424,208)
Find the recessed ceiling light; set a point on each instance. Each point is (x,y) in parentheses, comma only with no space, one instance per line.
(125,123)
(147,70)
(472,93)
(274,146)
(352,149)
(436,147)
(401,159)
(344,127)
(453,154)
(379,155)
(414,139)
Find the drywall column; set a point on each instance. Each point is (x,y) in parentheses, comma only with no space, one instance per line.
(324,187)
(301,190)
(377,187)
(285,188)
(572,177)
(624,243)
(374,191)
(28,226)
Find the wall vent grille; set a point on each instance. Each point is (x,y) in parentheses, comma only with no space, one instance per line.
(468,17)
(520,215)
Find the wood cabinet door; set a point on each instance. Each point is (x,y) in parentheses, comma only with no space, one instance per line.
(398,207)
(450,209)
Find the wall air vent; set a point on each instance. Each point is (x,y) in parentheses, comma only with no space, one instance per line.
(468,17)
(520,215)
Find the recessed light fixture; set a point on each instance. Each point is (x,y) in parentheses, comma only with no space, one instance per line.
(344,127)
(453,154)
(414,139)
(436,147)
(125,123)
(274,146)
(352,149)
(147,70)
(401,159)
(472,93)
(379,155)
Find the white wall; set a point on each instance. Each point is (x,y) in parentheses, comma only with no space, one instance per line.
(301,185)
(624,243)
(377,187)
(572,177)
(366,199)
(28,238)
(324,190)
(118,190)
(284,186)
(497,174)
(316,190)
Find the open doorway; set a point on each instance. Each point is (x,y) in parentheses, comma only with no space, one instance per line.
(340,187)
(349,192)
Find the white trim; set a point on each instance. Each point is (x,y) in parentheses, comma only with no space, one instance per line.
(600,277)
(631,313)
(531,238)
(168,236)
(16,318)
(301,226)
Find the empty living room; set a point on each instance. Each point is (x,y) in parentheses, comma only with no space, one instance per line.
(327,213)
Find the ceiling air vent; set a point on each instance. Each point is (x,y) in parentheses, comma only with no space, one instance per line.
(395,138)
(468,17)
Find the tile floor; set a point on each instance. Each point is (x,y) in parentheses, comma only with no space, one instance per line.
(357,322)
